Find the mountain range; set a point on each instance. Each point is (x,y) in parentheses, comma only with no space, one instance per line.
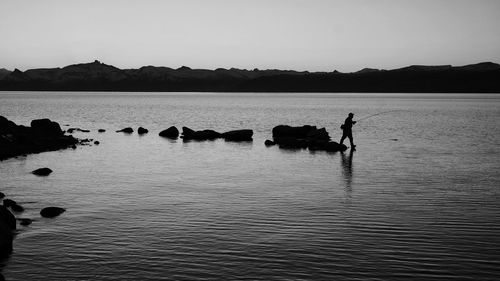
(96,76)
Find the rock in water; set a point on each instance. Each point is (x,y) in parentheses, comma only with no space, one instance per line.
(46,127)
(269,143)
(189,134)
(2,195)
(42,172)
(50,212)
(7,226)
(306,136)
(9,202)
(17,208)
(7,218)
(44,135)
(171,133)
(101,130)
(142,131)
(238,135)
(25,222)
(6,238)
(127,130)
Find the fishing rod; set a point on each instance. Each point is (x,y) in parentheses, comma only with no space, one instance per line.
(380,113)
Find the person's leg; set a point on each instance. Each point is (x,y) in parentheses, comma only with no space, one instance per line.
(343,138)
(351,140)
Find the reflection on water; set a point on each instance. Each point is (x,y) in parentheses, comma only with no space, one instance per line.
(346,159)
(424,207)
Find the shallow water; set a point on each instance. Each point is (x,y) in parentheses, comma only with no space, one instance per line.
(419,199)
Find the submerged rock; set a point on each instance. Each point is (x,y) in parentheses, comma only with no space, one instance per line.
(238,135)
(171,133)
(127,130)
(96,142)
(101,130)
(71,130)
(50,212)
(42,172)
(142,131)
(269,143)
(25,222)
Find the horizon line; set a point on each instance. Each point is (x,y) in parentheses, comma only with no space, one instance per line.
(253,69)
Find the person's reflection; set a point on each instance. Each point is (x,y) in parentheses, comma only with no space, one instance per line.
(347,168)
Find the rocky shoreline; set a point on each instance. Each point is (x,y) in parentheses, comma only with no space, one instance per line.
(43,135)
(46,135)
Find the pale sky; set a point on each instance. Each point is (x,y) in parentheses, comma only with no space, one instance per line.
(314,35)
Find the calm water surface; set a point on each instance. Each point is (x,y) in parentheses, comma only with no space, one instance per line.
(419,199)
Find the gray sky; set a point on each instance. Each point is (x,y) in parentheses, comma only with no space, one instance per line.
(315,35)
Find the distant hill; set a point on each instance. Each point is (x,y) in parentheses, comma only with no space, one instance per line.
(4,72)
(97,76)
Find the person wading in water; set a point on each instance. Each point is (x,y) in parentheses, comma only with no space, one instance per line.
(347,130)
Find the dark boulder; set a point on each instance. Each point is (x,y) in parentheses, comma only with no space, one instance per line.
(238,135)
(171,133)
(17,208)
(71,130)
(101,130)
(269,143)
(318,134)
(25,222)
(7,218)
(42,172)
(9,202)
(50,212)
(6,239)
(127,130)
(329,146)
(142,131)
(6,126)
(206,135)
(96,142)
(46,127)
(44,135)
(303,132)
(285,131)
(291,143)
(188,134)
(334,147)
(306,136)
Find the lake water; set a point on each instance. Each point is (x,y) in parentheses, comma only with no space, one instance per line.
(419,199)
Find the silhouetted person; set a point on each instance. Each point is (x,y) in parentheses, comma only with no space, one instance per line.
(347,130)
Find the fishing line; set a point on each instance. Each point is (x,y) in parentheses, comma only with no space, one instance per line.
(380,113)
